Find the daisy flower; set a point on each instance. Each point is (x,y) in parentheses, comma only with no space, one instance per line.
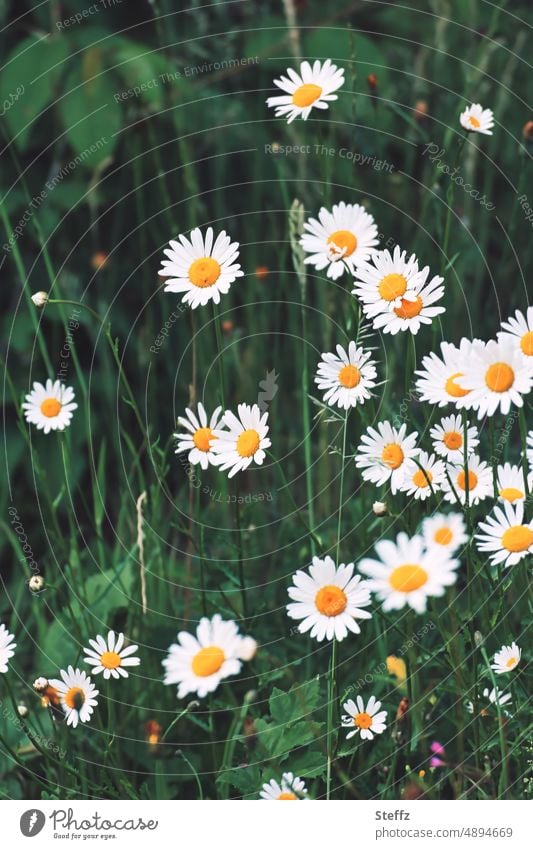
(387,281)
(339,239)
(312,87)
(383,453)
(511,483)
(291,789)
(109,656)
(495,696)
(448,438)
(367,720)
(408,573)
(497,375)
(412,314)
(197,437)
(245,440)
(7,647)
(77,695)
(447,532)
(475,119)
(329,600)
(480,483)
(198,664)
(519,331)
(506,535)
(347,376)
(439,376)
(506,659)
(422,482)
(49,407)
(202,270)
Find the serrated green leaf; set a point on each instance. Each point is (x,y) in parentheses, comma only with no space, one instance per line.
(298,702)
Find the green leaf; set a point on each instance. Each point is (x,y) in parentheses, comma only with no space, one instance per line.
(245,779)
(300,701)
(309,764)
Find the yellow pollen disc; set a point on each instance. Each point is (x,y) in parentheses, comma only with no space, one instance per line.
(286,796)
(499,377)
(50,407)
(511,494)
(248,443)
(207,661)
(443,536)
(452,440)
(392,286)
(110,660)
(453,388)
(472,480)
(392,455)
(422,478)
(409,309)
(511,662)
(343,240)
(474,121)
(330,601)
(349,376)
(204,272)
(202,438)
(362,720)
(526,344)
(408,578)
(518,538)
(306,94)
(74,698)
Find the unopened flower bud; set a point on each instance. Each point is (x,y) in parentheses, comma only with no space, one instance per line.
(372,81)
(478,639)
(421,110)
(22,710)
(527,131)
(379,508)
(247,648)
(40,299)
(36,583)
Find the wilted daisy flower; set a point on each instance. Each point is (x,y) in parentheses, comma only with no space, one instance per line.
(506,659)
(448,438)
(347,376)
(201,269)
(439,376)
(479,479)
(365,721)
(448,532)
(383,453)
(408,573)
(422,482)
(243,442)
(291,789)
(77,695)
(329,600)
(49,407)
(198,664)
(495,696)
(387,281)
(109,656)
(497,375)
(475,119)
(340,239)
(410,315)
(506,535)
(511,483)
(312,87)
(519,331)
(7,647)
(198,436)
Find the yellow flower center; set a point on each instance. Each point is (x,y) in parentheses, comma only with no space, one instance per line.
(50,407)
(499,377)
(511,662)
(392,455)
(344,241)
(286,796)
(408,578)
(110,660)
(452,440)
(75,698)
(306,94)
(472,481)
(362,720)
(204,272)
(202,438)
(248,443)
(511,494)
(422,478)
(474,121)
(349,376)
(207,661)
(392,286)
(330,601)
(443,536)
(517,538)
(453,388)
(526,344)
(409,309)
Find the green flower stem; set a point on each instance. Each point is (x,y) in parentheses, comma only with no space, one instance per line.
(297,510)
(218,335)
(240,550)
(450,192)
(503,784)
(331,703)
(523,435)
